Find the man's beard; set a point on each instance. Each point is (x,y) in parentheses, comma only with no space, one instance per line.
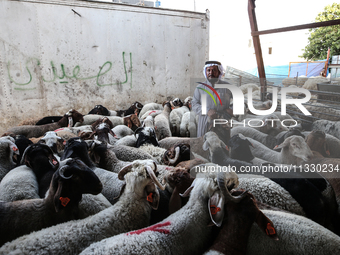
(213,80)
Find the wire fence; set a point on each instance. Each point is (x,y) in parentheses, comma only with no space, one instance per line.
(322,105)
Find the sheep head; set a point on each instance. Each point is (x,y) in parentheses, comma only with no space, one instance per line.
(179,180)
(73,117)
(316,140)
(146,135)
(52,140)
(72,180)
(132,121)
(239,148)
(246,210)
(11,150)
(140,178)
(38,154)
(176,154)
(214,185)
(100,110)
(297,147)
(176,103)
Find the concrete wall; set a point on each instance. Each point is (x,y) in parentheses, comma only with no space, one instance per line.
(57,55)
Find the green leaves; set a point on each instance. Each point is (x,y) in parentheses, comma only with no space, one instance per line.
(323,37)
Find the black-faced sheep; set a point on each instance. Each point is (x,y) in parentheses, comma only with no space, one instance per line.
(40,158)
(135,108)
(132,211)
(100,110)
(67,186)
(177,154)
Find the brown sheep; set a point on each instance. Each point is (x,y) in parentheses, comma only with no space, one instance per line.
(29,131)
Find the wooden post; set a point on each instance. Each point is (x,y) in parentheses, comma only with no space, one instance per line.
(257,47)
(326,64)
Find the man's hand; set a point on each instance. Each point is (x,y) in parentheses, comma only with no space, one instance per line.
(211,113)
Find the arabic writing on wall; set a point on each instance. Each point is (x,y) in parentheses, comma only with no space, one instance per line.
(64,78)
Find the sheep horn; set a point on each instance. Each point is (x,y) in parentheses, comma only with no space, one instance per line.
(225,191)
(138,130)
(154,178)
(62,171)
(124,171)
(173,161)
(70,122)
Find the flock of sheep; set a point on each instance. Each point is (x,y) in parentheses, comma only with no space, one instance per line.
(139,181)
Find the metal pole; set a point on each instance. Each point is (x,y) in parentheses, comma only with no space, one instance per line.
(257,47)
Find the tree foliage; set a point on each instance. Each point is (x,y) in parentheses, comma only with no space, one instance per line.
(322,38)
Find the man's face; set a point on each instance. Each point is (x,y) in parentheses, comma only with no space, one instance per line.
(212,72)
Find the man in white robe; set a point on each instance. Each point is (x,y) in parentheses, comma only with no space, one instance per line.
(213,71)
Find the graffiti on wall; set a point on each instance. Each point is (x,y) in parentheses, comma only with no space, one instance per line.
(62,77)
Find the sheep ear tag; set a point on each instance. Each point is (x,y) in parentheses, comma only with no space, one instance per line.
(152,196)
(15,149)
(64,201)
(54,162)
(266,225)
(216,208)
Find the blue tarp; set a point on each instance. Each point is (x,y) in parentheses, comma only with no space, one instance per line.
(302,69)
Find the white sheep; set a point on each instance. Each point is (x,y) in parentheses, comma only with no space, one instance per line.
(132,211)
(7,150)
(267,140)
(149,122)
(329,127)
(162,123)
(294,149)
(128,140)
(151,113)
(55,142)
(127,153)
(269,124)
(188,127)
(177,114)
(156,152)
(333,144)
(19,183)
(130,120)
(297,235)
(121,130)
(267,191)
(150,107)
(205,206)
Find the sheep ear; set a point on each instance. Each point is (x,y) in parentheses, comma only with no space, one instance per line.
(57,203)
(266,225)
(284,144)
(25,159)
(187,192)
(250,144)
(216,208)
(327,149)
(152,196)
(205,146)
(67,155)
(175,202)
